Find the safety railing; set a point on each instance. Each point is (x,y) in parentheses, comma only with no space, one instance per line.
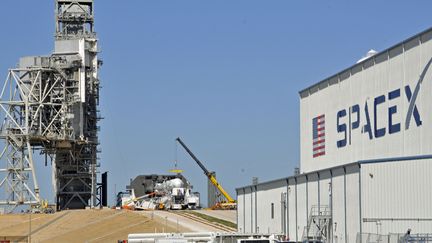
(394,238)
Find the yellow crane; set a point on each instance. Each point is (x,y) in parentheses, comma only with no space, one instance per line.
(230,203)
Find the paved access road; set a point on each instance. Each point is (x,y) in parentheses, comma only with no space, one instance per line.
(178,221)
(228,215)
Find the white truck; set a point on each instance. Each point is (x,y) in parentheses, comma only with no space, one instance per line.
(183,197)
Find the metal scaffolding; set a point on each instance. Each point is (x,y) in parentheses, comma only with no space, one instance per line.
(49,104)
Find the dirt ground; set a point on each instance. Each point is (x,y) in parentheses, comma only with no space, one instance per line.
(105,225)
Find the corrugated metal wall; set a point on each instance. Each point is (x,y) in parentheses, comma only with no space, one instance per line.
(339,205)
(379,90)
(397,196)
(302,210)
(268,195)
(332,188)
(292,209)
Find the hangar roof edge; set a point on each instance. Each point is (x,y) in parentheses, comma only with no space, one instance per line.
(358,163)
(325,82)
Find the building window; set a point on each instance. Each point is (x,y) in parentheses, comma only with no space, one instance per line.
(272,211)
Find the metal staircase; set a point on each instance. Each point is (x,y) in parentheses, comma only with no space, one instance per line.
(319,224)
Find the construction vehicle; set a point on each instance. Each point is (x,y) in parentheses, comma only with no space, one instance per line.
(128,200)
(229,203)
(174,194)
(42,207)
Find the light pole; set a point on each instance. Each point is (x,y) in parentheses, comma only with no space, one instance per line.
(29,235)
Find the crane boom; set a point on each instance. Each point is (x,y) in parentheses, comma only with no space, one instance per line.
(209,175)
(206,172)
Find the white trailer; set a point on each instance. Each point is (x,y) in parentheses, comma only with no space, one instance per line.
(206,237)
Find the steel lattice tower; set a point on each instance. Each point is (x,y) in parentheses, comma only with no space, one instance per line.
(49,104)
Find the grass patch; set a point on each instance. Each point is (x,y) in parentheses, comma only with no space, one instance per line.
(214,220)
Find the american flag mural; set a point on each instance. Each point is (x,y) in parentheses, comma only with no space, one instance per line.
(318,136)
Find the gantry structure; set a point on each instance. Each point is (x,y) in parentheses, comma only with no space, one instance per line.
(49,105)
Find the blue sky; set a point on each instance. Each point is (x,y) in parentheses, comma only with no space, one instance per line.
(223,75)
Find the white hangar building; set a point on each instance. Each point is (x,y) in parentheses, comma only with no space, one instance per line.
(366,155)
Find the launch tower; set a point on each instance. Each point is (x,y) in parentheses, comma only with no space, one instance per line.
(49,106)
